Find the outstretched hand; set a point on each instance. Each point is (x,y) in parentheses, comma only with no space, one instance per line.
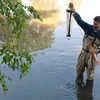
(71,6)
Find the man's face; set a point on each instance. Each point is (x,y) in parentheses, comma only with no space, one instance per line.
(96,25)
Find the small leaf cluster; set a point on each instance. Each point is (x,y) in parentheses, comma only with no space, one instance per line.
(2,80)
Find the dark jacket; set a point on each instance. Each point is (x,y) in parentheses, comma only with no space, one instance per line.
(88,28)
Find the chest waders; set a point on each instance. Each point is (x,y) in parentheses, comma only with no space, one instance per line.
(85,58)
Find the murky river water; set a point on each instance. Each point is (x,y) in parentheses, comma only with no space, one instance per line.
(53,71)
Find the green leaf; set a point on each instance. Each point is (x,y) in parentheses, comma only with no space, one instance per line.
(4,9)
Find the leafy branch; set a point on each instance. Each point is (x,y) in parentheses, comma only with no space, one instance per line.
(13,20)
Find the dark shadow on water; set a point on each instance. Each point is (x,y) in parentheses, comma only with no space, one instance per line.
(84,91)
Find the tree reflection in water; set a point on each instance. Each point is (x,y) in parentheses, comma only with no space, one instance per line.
(37,36)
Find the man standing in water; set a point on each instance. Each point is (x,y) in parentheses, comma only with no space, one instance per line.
(91,36)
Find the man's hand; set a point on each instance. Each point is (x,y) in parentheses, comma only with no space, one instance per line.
(71,6)
(92,50)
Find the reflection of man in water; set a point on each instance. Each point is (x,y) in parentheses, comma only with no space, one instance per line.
(85,92)
(91,36)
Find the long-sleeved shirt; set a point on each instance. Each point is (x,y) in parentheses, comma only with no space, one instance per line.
(88,28)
